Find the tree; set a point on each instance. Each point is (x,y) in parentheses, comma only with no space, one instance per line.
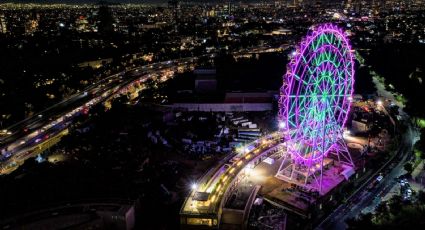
(382,212)
(363,222)
(419,154)
(403,216)
(421,197)
(408,167)
(420,146)
(395,204)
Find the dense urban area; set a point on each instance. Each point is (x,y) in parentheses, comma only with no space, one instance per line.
(177,114)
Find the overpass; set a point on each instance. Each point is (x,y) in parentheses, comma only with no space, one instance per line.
(204,205)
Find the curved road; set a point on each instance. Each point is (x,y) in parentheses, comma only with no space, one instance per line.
(364,197)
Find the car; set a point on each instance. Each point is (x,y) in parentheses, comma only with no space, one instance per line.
(403,182)
(5,132)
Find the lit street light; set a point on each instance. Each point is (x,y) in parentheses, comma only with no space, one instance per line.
(194,186)
(282,125)
(346,133)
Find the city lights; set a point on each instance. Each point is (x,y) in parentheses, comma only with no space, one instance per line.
(249,114)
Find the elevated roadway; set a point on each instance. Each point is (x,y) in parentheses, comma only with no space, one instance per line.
(203,206)
(22,138)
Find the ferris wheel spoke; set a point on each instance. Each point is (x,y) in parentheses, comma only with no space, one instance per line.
(300,79)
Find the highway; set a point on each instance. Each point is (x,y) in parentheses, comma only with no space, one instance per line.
(23,137)
(18,140)
(367,194)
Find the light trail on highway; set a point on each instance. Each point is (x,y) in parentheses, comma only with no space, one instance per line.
(38,129)
(49,122)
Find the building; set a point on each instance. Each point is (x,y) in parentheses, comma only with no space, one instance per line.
(248,97)
(205,81)
(233,102)
(106,215)
(31,26)
(3,27)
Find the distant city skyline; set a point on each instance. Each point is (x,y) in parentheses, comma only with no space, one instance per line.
(139,1)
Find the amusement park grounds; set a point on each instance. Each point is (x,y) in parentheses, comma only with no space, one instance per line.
(85,175)
(105,163)
(303,215)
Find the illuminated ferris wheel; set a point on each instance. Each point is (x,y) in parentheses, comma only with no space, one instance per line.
(315,100)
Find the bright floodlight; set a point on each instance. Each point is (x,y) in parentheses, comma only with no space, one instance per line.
(194,186)
(346,133)
(315,97)
(248,170)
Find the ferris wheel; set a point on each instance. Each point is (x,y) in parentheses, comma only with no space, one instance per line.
(315,100)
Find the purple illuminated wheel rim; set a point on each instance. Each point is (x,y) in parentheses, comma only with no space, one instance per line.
(315,98)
